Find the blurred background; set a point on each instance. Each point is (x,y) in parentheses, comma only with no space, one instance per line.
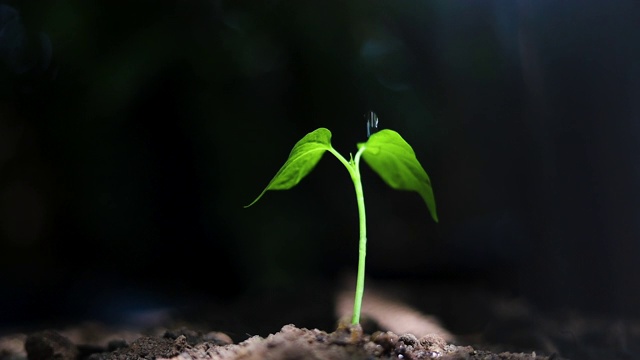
(132,136)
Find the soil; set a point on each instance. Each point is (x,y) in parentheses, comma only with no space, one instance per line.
(391,329)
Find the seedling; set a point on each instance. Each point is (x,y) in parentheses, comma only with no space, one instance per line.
(386,152)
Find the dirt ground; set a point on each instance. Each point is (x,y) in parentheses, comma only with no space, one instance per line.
(392,328)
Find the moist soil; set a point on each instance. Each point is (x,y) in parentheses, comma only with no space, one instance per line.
(392,328)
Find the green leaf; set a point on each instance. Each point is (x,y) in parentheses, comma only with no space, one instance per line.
(394,160)
(303,158)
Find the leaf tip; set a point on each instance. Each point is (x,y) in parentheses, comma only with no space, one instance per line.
(254,201)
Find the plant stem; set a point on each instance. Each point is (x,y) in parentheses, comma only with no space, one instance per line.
(354,170)
(362,253)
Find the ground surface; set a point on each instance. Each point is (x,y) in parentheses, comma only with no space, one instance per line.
(393,329)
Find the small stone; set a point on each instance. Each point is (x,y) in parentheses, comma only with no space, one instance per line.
(218,338)
(192,337)
(433,343)
(180,343)
(387,340)
(408,339)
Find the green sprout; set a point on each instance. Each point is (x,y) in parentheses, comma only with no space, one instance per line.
(386,152)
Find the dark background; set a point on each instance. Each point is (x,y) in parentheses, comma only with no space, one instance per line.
(132,135)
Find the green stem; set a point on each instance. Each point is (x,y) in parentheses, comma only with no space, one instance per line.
(354,170)
(362,253)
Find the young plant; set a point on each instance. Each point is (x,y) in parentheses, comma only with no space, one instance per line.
(386,152)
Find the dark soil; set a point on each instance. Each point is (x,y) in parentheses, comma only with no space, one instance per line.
(392,330)
(289,343)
